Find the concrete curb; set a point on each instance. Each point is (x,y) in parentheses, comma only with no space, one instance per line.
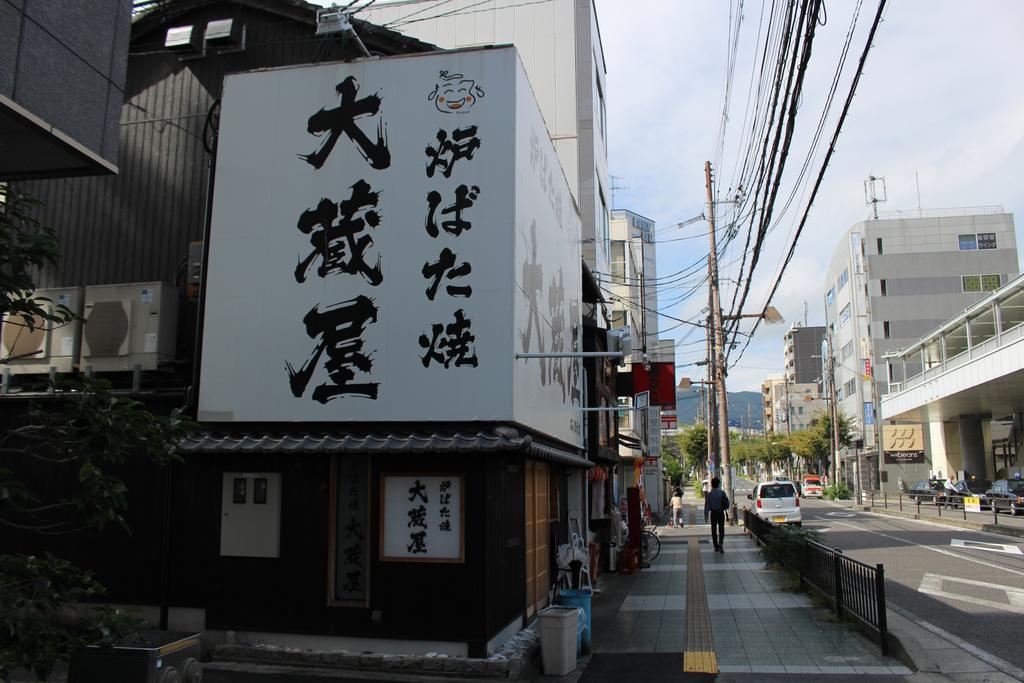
(947,521)
(515,664)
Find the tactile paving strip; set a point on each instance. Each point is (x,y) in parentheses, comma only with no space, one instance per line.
(699,648)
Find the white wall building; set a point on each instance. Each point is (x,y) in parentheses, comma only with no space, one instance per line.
(893,280)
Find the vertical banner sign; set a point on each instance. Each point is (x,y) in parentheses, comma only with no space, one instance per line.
(867,368)
(385,236)
(857,253)
(869,413)
(421,518)
(351,528)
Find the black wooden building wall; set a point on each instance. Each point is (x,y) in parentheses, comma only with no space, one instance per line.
(136,226)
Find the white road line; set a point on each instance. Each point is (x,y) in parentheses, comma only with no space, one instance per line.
(934,584)
(941,551)
(987,657)
(1007,548)
(910,520)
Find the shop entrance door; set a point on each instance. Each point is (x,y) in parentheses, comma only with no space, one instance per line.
(537,532)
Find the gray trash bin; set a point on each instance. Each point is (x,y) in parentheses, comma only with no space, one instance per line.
(558,627)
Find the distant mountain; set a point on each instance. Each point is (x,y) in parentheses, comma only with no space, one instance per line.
(744,408)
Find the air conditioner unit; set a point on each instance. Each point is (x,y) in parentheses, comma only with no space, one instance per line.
(129,325)
(49,345)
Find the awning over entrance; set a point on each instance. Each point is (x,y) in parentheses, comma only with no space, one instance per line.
(490,439)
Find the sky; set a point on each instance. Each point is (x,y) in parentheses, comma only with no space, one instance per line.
(939,106)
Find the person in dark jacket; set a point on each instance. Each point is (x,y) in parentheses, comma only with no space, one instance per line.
(716,503)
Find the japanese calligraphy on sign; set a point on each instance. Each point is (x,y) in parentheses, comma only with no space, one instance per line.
(422,518)
(351,529)
(385,237)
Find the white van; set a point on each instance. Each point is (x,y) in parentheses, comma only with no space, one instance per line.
(776,502)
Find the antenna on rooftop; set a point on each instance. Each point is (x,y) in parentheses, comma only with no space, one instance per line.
(616,185)
(872,196)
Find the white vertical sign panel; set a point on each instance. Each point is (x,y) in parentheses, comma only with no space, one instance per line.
(548,281)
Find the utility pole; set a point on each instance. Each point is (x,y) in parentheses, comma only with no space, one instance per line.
(834,412)
(712,422)
(719,355)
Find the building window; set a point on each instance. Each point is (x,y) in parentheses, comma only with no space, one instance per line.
(618,261)
(844,277)
(885,329)
(839,394)
(830,296)
(848,350)
(968,242)
(844,315)
(606,229)
(981,283)
(884,293)
(601,110)
(618,318)
(986,240)
(850,387)
(878,245)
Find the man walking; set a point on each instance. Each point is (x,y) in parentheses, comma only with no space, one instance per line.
(715,505)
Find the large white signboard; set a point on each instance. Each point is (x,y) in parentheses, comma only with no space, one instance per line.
(386,235)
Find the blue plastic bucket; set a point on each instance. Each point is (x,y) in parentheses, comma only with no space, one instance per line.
(578,598)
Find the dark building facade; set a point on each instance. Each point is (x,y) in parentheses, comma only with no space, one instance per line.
(803,354)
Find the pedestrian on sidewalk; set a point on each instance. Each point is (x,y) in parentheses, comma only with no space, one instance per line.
(677,508)
(716,503)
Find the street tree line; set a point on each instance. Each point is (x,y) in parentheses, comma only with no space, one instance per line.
(685,453)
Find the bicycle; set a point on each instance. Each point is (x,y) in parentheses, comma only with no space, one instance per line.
(650,544)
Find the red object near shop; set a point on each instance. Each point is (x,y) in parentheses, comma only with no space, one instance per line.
(660,380)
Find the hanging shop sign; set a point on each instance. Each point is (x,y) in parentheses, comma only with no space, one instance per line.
(351,537)
(421,518)
(903,444)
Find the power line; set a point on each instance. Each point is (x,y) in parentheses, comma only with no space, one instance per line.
(824,167)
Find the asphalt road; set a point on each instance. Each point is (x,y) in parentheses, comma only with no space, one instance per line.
(969,584)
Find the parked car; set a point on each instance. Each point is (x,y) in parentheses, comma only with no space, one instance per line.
(776,502)
(955,499)
(1007,495)
(812,487)
(926,489)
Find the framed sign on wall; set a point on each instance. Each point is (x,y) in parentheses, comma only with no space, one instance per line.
(421,518)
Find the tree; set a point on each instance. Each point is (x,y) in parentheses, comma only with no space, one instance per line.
(693,444)
(25,247)
(73,436)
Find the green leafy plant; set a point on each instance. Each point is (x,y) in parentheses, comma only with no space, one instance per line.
(41,624)
(838,491)
(73,438)
(785,546)
(25,247)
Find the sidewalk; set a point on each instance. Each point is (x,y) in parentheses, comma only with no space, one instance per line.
(754,624)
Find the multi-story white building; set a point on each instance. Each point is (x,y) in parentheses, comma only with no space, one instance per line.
(559,43)
(891,281)
(790,407)
(633,300)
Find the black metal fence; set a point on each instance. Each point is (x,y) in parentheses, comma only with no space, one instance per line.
(852,588)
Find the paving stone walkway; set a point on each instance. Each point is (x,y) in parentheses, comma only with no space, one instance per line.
(756,623)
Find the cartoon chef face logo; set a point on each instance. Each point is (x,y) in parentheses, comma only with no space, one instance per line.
(454,93)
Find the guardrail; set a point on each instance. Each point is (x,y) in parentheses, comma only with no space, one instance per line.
(852,587)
